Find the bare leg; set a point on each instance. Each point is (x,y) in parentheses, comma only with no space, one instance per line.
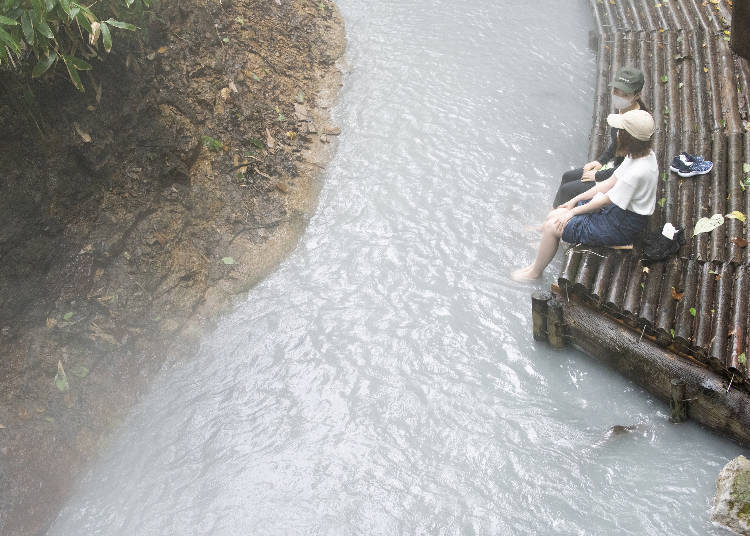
(545,253)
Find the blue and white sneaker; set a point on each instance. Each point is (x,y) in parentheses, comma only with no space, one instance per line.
(688,165)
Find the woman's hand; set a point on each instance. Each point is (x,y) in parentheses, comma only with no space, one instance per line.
(589,176)
(594,164)
(568,205)
(562,220)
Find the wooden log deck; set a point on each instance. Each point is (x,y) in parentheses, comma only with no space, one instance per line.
(693,307)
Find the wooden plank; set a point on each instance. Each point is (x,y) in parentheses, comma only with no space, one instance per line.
(705,309)
(603,280)
(684,328)
(718,195)
(722,307)
(651,294)
(739,326)
(633,292)
(619,281)
(735,228)
(601,98)
(570,268)
(587,270)
(665,317)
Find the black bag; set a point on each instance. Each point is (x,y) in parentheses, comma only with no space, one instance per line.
(657,247)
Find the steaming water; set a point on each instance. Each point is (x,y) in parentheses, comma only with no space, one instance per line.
(384,379)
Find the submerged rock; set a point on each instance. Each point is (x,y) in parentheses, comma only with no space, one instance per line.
(732,502)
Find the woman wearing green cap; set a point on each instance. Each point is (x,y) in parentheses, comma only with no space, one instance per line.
(613,212)
(626,96)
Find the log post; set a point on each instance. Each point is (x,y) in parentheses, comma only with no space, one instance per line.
(677,402)
(740,39)
(539,302)
(555,327)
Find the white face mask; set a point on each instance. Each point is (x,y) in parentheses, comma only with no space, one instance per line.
(621,102)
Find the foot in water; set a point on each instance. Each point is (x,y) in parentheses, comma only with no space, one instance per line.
(525,274)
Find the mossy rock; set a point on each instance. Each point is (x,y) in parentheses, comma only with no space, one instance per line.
(732,502)
(741,494)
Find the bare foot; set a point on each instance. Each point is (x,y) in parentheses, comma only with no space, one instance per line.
(525,274)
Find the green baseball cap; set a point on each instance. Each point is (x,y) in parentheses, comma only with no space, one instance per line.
(629,80)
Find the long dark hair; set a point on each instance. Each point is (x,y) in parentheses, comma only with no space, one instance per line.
(627,145)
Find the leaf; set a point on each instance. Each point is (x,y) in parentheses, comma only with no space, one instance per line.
(745,168)
(61,379)
(227,260)
(82,18)
(8,39)
(43,28)
(665,79)
(85,136)
(79,64)
(693,311)
(96,30)
(740,242)
(65,4)
(742,359)
(212,144)
(8,22)
(27,27)
(705,225)
(79,371)
(736,215)
(86,11)
(106,37)
(661,202)
(44,64)
(68,315)
(73,73)
(120,24)
(677,295)
(671,332)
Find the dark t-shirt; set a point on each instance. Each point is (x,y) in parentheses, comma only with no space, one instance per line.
(609,152)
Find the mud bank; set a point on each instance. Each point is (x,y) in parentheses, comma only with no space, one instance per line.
(131,217)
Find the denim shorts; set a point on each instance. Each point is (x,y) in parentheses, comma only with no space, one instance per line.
(610,226)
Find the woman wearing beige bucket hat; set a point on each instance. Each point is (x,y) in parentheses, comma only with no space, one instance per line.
(613,212)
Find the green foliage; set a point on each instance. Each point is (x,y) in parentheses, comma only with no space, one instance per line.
(43,33)
(212,144)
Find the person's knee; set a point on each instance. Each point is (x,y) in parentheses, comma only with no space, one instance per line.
(550,226)
(572,175)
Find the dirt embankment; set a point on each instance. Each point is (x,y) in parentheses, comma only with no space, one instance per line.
(129,217)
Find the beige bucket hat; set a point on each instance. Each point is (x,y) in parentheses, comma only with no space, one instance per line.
(637,123)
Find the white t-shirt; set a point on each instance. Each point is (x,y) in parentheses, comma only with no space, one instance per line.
(635,189)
